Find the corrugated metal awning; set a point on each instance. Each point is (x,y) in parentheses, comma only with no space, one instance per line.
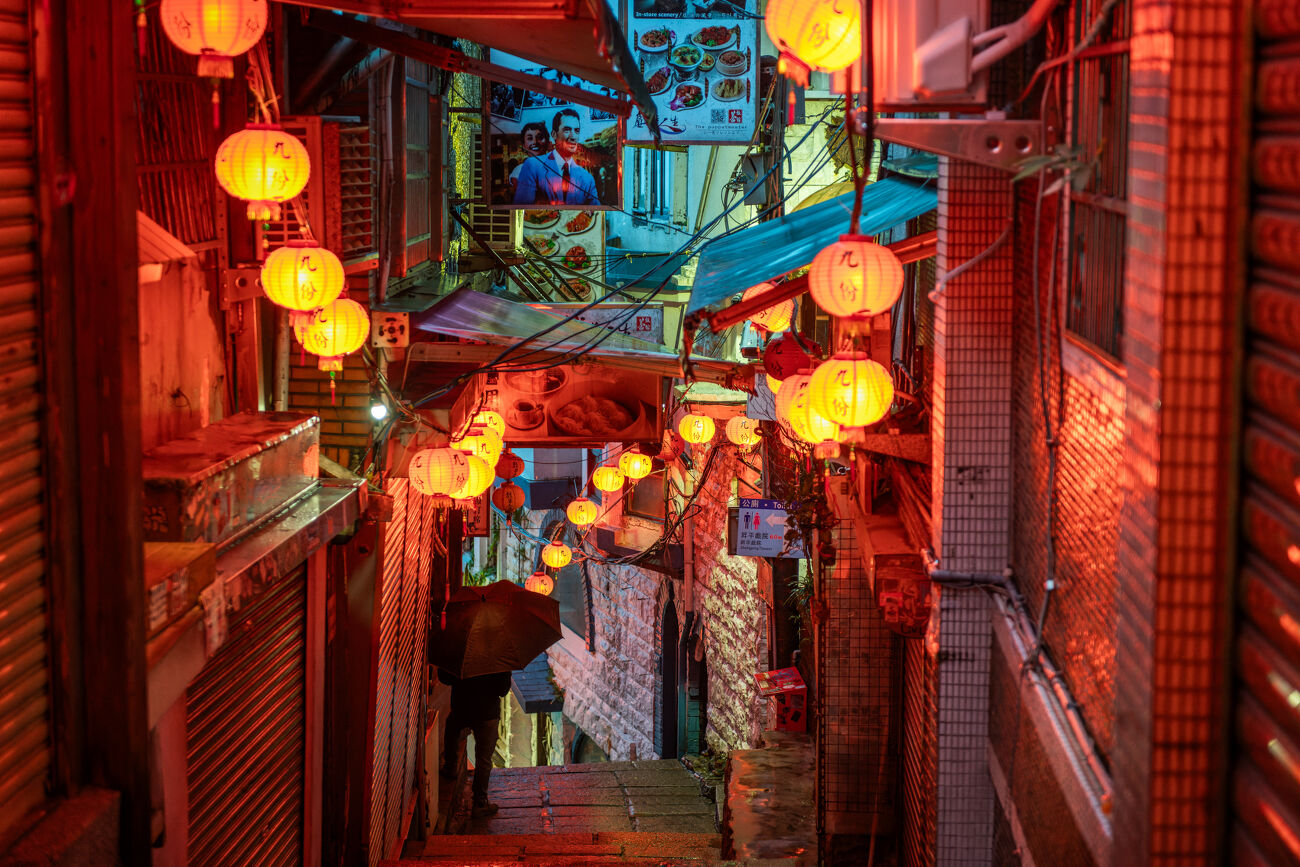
(731,265)
(534,689)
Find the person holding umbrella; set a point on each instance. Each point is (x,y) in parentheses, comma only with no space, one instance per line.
(486,633)
(475,707)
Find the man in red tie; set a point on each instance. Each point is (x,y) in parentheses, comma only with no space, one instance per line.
(556,178)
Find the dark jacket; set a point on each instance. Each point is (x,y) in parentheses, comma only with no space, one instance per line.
(476,699)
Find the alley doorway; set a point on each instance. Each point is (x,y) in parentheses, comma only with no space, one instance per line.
(669,685)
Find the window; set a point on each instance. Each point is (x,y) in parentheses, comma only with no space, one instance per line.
(570,585)
(1098,213)
(659,185)
(646,499)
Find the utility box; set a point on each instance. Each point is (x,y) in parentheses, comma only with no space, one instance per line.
(789,696)
(210,484)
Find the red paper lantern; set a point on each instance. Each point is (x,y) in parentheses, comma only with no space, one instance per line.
(855,276)
(673,446)
(783,358)
(540,582)
(509,465)
(774,318)
(508,497)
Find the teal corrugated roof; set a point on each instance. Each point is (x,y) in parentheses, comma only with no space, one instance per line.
(733,263)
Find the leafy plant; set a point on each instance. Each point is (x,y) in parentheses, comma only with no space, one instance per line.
(1067,160)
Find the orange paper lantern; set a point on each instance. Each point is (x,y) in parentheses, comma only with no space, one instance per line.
(509,465)
(215,30)
(338,328)
(582,512)
(808,424)
(508,497)
(492,421)
(478,478)
(607,479)
(742,431)
(556,554)
(487,445)
(540,582)
(855,276)
(438,471)
(851,390)
(821,34)
(774,318)
(696,428)
(790,387)
(634,465)
(302,276)
(263,165)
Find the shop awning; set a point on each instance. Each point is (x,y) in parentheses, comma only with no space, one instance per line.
(580,37)
(730,265)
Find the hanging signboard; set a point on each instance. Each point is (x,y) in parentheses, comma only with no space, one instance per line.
(700,61)
(643,321)
(543,151)
(574,240)
(756,528)
(477,515)
(569,405)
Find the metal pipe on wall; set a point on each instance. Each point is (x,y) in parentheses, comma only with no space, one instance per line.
(280,398)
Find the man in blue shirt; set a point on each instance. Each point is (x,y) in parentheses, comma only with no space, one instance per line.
(555,178)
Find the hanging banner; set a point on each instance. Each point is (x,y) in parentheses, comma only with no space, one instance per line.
(541,151)
(643,321)
(700,60)
(574,240)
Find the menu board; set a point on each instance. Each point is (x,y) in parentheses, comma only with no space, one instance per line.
(574,240)
(542,150)
(700,61)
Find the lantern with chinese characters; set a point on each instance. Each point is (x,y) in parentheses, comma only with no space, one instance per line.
(438,471)
(790,387)
(216,30)
(855,276)
(508,497)
(338,328)
(774,318)
(742,431)
(851,389)
(672,446)
(582,512)
(635,466)
(696,428)
(264,166)
(302,276)
(808,424)
(509,465)
(478,478)
(607,479)
(486,445)
(492,421)
(783,357)
(540,582)
(821,34)
(556,554)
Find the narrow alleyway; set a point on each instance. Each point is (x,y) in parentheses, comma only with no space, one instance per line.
(611,812)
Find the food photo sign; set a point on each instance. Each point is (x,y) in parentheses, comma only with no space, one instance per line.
(541,151)
(700,60)
(570,405)
(574,240)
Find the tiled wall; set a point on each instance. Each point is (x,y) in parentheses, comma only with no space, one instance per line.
(346,422)
(972,489)
(1181,287)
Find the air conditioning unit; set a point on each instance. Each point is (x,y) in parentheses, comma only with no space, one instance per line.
(923,54)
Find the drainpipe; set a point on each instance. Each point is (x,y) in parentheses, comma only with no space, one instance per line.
(688,563)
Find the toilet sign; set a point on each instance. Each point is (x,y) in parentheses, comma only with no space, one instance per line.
(756,528)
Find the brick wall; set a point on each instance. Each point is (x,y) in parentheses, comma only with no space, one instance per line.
(346,423)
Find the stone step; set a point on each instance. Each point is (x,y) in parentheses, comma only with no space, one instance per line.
(593,848)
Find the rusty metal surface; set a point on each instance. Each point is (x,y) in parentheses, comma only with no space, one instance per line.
(213,483)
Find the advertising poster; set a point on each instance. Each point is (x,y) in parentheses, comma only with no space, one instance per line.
(570,405)
(642,321)
(574,240)
(700,61)
(543,151)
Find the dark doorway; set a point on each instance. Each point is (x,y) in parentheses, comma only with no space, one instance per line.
(668,679)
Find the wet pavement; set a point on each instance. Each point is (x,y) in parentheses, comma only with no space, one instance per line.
(769,809)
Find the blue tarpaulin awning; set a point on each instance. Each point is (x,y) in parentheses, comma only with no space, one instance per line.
(765,252)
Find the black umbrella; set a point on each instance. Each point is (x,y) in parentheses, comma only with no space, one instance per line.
(500,627)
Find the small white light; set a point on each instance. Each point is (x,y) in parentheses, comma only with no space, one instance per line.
(379,411)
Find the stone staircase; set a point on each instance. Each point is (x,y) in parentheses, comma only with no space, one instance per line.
(560,850)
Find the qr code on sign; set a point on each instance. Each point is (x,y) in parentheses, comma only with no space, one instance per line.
(718,115)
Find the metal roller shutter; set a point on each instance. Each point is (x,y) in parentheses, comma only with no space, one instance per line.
(24,668)
(1265,788)
(245,716)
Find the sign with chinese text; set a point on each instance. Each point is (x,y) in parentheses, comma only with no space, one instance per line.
(478,515)
(644,322)
(545,153)
(700,60)
(756,528)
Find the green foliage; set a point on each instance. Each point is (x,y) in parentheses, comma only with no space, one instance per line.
(1067,160)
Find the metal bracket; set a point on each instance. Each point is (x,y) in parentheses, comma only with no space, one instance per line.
(240,284)
(999,144)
